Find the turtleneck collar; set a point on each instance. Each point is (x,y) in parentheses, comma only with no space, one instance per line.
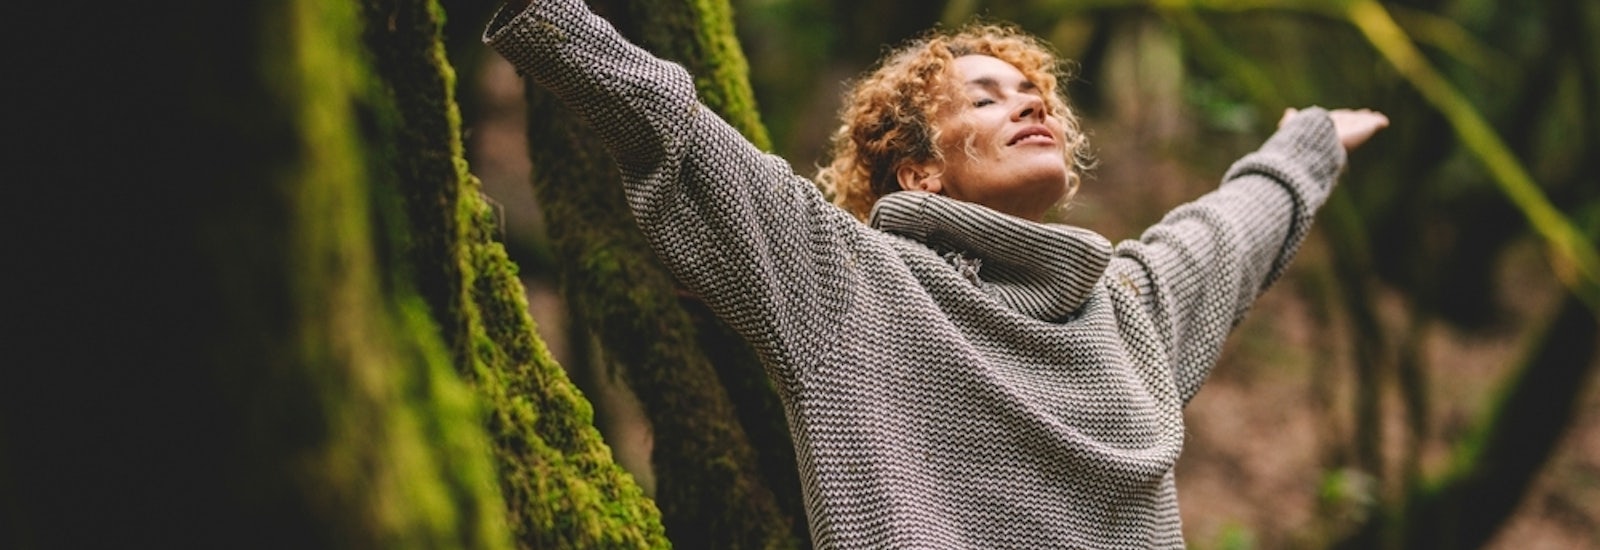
(1045,271)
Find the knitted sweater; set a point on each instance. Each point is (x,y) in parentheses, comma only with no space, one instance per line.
(952,376)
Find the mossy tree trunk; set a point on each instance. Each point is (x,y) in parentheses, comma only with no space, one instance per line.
(561,486)
(723,460)
(248,324)
(217,352)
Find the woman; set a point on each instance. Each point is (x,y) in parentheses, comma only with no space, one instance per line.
(955,373)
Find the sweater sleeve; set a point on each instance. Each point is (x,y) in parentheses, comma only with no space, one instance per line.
(1199,270)
(759,243)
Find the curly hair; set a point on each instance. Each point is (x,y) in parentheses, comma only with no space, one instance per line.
(890,115)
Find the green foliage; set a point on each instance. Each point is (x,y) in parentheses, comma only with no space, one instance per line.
(1235,537)
(1577,261)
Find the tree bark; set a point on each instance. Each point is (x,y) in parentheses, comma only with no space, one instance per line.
(251,330)
(561,486)
(217,356)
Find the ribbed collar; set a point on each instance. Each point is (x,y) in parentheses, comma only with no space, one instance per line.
(1045,271)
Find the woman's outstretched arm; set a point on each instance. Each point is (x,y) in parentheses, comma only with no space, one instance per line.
(760,244)
(1199,270)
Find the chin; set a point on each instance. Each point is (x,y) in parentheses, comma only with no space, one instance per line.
(1043,170)
(1051,186)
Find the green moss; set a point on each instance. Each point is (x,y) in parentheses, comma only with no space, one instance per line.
(386,450)
(699,35)
(258,376)
(559,484)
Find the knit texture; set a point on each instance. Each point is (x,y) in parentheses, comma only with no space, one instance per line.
(953,377)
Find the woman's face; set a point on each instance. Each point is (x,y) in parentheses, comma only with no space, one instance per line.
(1016,162)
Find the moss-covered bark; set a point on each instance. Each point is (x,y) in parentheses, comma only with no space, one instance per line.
(247,374)
(697,34)
(715,489)
(707,487)
(561,486)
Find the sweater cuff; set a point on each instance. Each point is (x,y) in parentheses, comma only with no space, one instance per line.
(498,34)
(497,23)
(1309,138)
(1305,156)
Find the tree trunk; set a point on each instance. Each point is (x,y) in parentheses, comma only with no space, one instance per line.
(216,354)
(231,339)
(562,488)
(1495,468)
(715,489)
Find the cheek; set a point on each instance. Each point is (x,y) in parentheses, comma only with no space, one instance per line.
(953,144)
(953,132)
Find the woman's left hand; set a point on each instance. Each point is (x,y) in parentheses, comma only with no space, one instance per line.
(1353,126)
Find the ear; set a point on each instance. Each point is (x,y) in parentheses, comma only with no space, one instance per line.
(919,177)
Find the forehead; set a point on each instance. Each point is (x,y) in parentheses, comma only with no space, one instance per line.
(978,69)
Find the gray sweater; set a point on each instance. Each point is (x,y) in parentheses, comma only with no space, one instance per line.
(953,377)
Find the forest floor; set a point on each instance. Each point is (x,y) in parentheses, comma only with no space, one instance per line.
(1266,432)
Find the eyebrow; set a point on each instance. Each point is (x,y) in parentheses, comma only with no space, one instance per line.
(991,84)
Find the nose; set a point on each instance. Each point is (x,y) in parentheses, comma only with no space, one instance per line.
(1031,106)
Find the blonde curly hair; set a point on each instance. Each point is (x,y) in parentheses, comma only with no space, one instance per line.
(890,115)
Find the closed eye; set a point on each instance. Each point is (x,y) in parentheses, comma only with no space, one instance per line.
(983,102)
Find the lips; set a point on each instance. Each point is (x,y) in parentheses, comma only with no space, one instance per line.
(1032,134)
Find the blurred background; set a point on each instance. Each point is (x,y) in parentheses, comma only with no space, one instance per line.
(1430,355)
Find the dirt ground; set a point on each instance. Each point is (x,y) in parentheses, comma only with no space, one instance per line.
(1277,410)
